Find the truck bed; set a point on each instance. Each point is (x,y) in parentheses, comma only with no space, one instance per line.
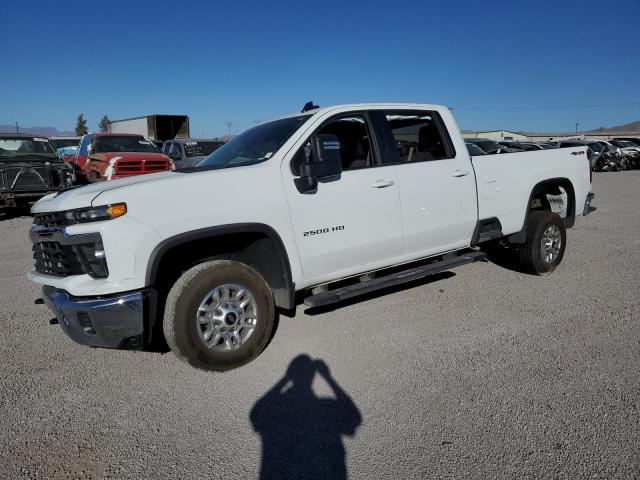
(505,181)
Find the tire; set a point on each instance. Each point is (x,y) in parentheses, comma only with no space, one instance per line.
(183,325)
(534,258)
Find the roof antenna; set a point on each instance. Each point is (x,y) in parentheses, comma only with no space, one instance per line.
(309,106)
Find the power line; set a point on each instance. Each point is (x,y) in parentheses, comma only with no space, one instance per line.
(554,107)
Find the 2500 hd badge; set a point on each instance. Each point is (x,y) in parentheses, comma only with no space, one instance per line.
(323,230)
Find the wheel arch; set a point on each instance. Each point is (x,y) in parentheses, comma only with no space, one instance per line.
(255,244)
(542,188)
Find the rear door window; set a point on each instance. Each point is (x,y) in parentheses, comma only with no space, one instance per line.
(418,136)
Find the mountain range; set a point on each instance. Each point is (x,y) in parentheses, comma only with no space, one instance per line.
(44,131)
(628,127)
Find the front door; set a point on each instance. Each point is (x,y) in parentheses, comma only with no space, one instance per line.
(352,223)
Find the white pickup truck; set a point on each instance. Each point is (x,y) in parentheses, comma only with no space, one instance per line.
(316,207)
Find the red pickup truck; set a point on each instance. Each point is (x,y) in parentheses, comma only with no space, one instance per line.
(107,156)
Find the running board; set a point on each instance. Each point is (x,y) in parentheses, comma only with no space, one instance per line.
(334,296)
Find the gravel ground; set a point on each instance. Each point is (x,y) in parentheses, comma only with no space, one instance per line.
(483,374)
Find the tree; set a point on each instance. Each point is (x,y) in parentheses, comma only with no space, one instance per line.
(103,125)
(81,125)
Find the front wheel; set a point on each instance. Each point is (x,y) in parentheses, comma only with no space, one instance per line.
(545,243)
(219,315)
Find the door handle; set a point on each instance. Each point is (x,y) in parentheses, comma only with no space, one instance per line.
(460,173)
(382,183)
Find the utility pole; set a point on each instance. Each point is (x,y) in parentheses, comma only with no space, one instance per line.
(228,124)
(577,127)
(17,128)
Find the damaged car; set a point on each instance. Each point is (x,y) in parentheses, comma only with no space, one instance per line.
(29,169)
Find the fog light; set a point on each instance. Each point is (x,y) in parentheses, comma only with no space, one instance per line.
(85,323)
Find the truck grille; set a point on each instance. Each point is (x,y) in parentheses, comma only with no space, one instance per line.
(40,177)
(60,255)
(55,259)
(52,220)
(27,178)
(140,167)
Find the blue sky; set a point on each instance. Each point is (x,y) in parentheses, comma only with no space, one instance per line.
(499,64)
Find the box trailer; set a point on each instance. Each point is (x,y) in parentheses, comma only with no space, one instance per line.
(154,127)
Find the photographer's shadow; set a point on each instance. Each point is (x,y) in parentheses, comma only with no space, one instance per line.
(302,433)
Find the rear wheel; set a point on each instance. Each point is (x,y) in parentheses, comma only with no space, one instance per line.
(219,315)
(545,243)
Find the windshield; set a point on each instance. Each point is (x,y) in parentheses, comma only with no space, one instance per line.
(64,142)
(255,145)
(127,143)
(200,149)
(22,147)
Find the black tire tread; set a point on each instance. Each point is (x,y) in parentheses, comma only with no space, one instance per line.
(529,251)
(171,321)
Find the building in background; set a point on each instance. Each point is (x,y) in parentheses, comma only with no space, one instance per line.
(154,127)
(502,135)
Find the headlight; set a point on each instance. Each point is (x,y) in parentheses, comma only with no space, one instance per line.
(96,214)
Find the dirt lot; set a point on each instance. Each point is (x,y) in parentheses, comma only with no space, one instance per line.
(483,374)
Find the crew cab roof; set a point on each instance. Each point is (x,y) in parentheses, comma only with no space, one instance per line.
(362,106)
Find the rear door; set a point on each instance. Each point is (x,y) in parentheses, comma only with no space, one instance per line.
(437,185)
(352,223)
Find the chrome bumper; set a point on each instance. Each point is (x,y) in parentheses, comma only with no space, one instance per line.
(587,204)
(108,322)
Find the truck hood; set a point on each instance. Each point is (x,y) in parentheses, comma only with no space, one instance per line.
(106,157)
(82,196)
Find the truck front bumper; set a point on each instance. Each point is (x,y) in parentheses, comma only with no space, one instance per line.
(108,322)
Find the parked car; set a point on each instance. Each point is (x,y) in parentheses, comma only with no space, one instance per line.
(311,206)
(630,150)
(107,156)
(634,140)
(615,156)
(490,146)
(65,153)
(29,169)
(188,153)
(474,150)
(523,146)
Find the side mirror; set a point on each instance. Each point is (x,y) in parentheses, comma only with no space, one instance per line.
(175,155)
(324,163)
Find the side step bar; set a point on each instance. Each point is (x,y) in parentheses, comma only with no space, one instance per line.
(334,296)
